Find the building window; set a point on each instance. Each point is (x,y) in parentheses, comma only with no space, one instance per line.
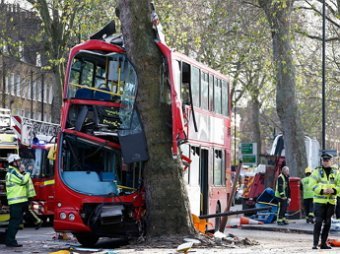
(12,84)
(46,93)
(18,85)
(7,85)
(35,90)
(50,96)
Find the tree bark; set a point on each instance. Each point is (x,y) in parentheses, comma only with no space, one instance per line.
(166,198)
(278,15)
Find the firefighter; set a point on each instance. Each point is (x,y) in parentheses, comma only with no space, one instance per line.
(325,182)
(282,193)
(307,196)
(16,191)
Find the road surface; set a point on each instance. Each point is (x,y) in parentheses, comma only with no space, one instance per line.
(42,241)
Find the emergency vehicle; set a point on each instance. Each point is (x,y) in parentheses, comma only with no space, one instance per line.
(37,145)
(267,173)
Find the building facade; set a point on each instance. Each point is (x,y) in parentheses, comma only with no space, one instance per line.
(26,87)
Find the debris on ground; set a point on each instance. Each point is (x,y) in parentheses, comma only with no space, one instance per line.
(179,244)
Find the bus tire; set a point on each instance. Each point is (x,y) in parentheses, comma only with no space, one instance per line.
(86,239)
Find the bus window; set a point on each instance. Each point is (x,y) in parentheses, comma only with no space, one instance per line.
(90,167)
(99,77)
(225,98)
(185,84)
(211,92)
(195,86)
(217,95)
(105,77)
(87,74)
(204,90)
(218,174)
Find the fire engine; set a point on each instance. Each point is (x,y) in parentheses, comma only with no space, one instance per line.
(37,144)
(273,162)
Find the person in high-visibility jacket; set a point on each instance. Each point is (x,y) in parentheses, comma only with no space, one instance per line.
(282,193)
(325,182)
(16,191)
(307,194)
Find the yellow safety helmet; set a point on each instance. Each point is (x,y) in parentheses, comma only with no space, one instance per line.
(308,170)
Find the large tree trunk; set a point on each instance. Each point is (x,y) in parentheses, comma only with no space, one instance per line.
(278,15)
(166,198)
(254,120)
(57,94)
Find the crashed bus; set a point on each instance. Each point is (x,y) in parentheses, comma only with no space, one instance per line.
(201,134)
(98,167)
(102,147)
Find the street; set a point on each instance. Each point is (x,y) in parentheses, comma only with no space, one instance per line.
(41,241)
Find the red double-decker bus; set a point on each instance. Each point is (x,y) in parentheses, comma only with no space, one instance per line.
(200,102)
(102,146)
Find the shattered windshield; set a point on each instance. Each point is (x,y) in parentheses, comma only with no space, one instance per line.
(90,167)
(104,77)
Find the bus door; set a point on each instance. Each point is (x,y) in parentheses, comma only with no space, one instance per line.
(204,183)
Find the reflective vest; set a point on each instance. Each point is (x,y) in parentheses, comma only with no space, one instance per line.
(30,189)
(307,188)
(16,186)
(283,193)
(320,182)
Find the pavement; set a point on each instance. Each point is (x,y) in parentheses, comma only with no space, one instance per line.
(294,226)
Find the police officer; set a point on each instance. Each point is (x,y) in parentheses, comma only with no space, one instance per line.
(325,182)
(308,195)
(282,193)
(16,191)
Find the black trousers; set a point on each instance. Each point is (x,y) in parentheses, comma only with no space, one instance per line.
(282,209)
(16,212)
(308,204)
(337,209)
(322,214)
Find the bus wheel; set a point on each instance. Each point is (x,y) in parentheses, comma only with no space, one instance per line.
(86,239)
(218,219)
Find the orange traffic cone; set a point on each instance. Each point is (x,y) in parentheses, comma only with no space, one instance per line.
(333,242)
(245,220)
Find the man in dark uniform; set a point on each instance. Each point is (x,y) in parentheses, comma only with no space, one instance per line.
(325,182)
(282,193)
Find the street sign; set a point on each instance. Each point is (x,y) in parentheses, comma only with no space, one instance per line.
(247,148)
(249,154)
(246,158)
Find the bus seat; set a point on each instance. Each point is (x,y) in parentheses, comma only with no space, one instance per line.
(107,176)
(83,93)
(88,182)
(81,117)
(102,96)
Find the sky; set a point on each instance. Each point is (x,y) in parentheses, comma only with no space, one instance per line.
(23,4)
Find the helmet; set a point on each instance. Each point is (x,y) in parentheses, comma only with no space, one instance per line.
(308,170)
(13,157)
